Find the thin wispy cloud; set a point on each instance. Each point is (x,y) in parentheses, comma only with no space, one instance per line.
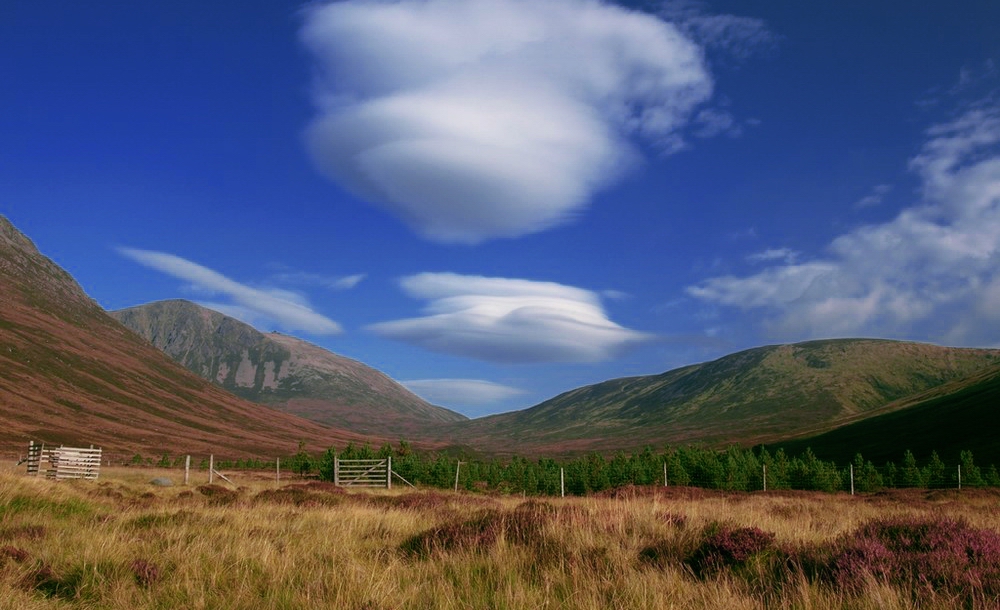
(875,197)
(305,278)
(932,273)
(285,309)
(508,320)
(480,119)
(786,255)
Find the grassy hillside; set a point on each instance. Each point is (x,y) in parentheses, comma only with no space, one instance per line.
(963,415)
(754,396)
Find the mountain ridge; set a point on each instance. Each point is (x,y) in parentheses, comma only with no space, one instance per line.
(283,371)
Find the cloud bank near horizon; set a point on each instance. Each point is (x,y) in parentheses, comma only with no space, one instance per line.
(931,273)
(508,320)
(479,119)
(286,309)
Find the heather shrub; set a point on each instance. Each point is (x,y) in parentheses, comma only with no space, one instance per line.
(13,553)
(218,495)
(521,526)
(314,493)
(145,572)
(24,532)
(409,501)
(935,556)
(724,546)
(678,520)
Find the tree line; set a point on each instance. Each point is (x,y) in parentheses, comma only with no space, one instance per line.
(735,469)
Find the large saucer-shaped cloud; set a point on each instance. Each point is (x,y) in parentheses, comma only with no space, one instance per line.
(478,119)
(509,320)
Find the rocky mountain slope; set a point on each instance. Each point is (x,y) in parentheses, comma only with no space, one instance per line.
(283,371)
(750,397)
(71,374)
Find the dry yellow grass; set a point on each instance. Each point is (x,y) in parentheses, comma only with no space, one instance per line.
(122,543)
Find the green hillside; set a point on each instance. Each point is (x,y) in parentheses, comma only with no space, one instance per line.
(758,395)
(964,415)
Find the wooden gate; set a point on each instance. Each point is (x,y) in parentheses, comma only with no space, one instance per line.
(363,473)
(64,462)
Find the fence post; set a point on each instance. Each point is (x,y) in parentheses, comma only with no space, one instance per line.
(211,468)
(562,482)
(187,469)
(664,474)
(277,470)
(388,473)
(852,479)
(764,466)
(336,470)
(458,467)
(959,477)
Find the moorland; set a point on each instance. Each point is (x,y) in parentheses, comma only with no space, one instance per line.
(121,542)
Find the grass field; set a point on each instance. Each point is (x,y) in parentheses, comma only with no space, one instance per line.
(122,543)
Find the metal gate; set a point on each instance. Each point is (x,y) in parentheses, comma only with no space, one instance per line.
(363,473)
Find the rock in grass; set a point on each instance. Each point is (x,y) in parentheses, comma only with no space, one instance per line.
(161,482)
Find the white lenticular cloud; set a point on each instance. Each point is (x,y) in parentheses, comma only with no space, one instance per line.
(509,320)
(932,273)
(479,119)
(461,392)
(287,309)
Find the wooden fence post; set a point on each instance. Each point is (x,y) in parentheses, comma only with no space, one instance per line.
(458,467)
(960,477)
(562,482)
(852,479)
(211,468)
(664,474)
(187,469)
(765,476)
(277,470)
(388,473)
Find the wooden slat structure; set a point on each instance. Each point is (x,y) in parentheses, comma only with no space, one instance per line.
(363,473)
(63,462)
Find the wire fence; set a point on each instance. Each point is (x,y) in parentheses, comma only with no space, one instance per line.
(735,469)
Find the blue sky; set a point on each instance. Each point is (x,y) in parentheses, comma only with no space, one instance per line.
(495,201)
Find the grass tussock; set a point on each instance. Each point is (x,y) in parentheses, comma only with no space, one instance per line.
(122,543)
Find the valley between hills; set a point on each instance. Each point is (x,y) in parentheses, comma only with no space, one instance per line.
(176,377)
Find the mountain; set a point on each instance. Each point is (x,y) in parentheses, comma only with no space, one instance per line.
(69,373)
(287,373)
(758,395)
(958,416)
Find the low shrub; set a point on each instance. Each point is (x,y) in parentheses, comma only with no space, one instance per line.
(13,553)
(314,493)
(144,572)
(218,495)
(934,556)
(725,546)
(23,532)
(522,526)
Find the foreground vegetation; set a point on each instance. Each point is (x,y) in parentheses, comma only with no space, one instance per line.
(123,543)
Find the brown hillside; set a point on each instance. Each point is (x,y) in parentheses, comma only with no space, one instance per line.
(71,374)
